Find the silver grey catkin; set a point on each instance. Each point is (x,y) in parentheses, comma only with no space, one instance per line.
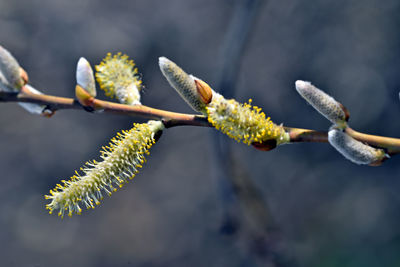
(354,150)
(322,102)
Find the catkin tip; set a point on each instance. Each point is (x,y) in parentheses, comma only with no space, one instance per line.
(301,85)
(163,61)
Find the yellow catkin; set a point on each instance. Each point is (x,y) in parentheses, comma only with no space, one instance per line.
(118,77)
(243,122)
(120,162)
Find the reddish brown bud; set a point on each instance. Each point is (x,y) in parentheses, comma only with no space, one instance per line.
(24,75)
(204,91)
(346,112)
(266,145)
(83,96)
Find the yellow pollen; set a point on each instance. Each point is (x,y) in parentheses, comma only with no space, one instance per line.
(243,122)
(120,163)
(118,77)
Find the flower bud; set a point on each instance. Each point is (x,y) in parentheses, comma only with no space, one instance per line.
(353,149)
(10,71)
(204,91)
(323,103)
(85,77)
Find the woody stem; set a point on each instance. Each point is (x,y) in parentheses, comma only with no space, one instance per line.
(172,119)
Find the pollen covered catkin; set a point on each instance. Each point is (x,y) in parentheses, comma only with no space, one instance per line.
(243,122)
(354,150)
(118,77)
(120,162)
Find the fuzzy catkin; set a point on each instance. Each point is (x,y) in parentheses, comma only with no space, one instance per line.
(183,83)
(118,77)
(121,161)
(322,102)
(352,149)
(243,122)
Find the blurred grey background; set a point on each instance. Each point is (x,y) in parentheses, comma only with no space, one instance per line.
(329,212)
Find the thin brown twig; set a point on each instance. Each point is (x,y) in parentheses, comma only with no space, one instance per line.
(305,135)
(390,144)
(55,103)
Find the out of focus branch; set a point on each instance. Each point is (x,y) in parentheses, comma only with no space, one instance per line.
(245,211)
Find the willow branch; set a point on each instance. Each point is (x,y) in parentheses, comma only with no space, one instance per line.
(305,135)
(54,103)
(172,119)
(390,144)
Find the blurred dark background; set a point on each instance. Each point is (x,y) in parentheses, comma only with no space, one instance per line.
(329,212)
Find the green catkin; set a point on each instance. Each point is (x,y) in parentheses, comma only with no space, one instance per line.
(120,163)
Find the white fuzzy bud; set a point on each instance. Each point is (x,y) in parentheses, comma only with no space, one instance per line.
(85,77)
(10,73)
(323,103)
(354,150)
